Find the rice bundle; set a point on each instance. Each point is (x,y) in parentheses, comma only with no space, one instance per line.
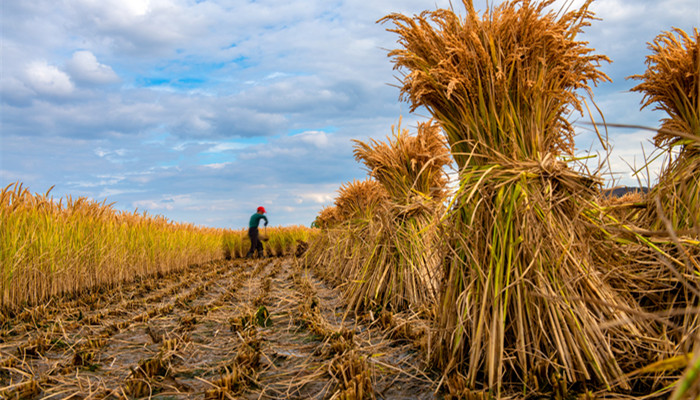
(402,268)
(409,167)
(327,217)
(672,83)
(359,200)
(340,248)
(523,300)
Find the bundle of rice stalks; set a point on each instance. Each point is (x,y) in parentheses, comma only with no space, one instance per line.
(402,268)
(522,297)
(327,217)
(337,250)
(501,85)
(359,200)
(672,84)
(408,166)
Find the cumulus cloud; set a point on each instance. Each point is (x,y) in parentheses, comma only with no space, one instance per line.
(83,66)
(316,197)
(172,105)
(226,146)
(317,139)
(48,79)
(137,26)
(207,117)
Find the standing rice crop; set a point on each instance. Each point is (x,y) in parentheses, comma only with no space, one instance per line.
(235,243)
(48,247)
(523,301)
(281,241)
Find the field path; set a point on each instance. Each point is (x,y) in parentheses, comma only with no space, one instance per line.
(233,329)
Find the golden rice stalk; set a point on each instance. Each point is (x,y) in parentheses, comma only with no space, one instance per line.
(359,199)
(48,247)
(400,266)
(688,387)
(396,265)
(337,250)
(327,217)
(521,290)
(501,85)
(408,166)
(672,83)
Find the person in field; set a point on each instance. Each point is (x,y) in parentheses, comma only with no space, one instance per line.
(254,234)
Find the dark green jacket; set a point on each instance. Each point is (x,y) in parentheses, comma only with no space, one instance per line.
(255,220)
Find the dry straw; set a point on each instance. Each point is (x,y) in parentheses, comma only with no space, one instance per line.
(410,168)
(523,299)
(359,200)
(381,240)
(672,84)
(339,248)
(402,269)
(327,217)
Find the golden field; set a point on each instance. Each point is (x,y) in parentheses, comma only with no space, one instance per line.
(519,279)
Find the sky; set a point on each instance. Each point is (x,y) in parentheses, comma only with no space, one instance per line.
(201,110)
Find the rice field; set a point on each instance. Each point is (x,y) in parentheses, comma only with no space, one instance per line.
(52,247)
(521,279)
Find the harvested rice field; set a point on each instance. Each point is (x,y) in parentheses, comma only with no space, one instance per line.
(243,329)
(514,277)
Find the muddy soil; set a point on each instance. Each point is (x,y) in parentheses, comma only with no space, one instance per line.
(238,329)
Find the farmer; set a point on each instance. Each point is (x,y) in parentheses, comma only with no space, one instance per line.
(253,234)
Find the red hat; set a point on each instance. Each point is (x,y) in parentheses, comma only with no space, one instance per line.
(261,210)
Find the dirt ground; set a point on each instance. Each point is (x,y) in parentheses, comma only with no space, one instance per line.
(238,329)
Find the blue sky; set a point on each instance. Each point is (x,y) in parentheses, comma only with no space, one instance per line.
(202,110)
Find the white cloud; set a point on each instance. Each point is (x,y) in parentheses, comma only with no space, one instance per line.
(226,146)
(217,165)
(317,197)
(192,202)
(136,7)
(18,175)
(91,184)
(276,75)
(111,193)
(318,139)
(141,27)
(153,205)
(318,67)
(48,79)
(83,66)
